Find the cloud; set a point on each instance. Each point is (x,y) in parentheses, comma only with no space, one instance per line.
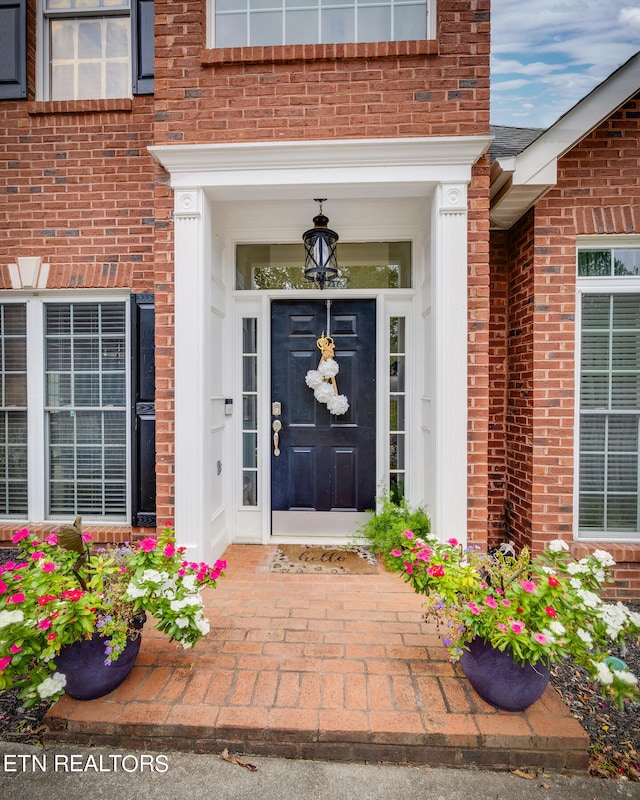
(548,54)
(630,16)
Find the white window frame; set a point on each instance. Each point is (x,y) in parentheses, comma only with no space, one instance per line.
(211,22)
(43,51)
(37,444)
(596,285)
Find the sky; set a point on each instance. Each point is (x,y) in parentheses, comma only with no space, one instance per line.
(548,54)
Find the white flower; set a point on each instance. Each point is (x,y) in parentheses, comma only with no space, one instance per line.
(557,545)
(557,627)
(615,618)
(575,583)
(338,404)
(182,622)
(328,368)
(10,617)
(606,559)
(599,575)
(324,392)
(590,599)
(551,639)
(52,685)
(585,636)
(624,676)
(134,591)
(152,576)
(577,568)
(189,582)
(313,379)
(187,645)
(633,617)
(202,624)
(603,673)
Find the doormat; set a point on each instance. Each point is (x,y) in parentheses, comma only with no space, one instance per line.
(305,558)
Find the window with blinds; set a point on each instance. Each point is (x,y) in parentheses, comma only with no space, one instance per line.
(609,450)
(85,408)
(13,410)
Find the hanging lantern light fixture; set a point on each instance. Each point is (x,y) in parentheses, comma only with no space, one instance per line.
(320,261)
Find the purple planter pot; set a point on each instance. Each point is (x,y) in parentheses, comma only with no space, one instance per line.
(501,681)
(83,664)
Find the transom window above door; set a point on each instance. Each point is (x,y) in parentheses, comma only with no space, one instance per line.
(362,265)
(240,23)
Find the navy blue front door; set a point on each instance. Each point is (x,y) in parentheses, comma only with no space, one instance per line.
(326,463)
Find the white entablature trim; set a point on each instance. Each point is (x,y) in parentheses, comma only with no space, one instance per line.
(337,161)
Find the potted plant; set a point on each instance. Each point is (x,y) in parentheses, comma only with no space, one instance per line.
(514,616)
(59,602)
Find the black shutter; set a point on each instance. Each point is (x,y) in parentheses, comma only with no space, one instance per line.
(142,41)
(13,49)
(143,383)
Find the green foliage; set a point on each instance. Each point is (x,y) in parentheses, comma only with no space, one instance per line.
(384,528)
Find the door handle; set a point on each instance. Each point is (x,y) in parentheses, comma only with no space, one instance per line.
(277,427)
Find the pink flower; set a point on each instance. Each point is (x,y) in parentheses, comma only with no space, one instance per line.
(3,587)
(182,572)
(506,602)
(214,574)
(4,662)
(52,539)
(8,565)
(86,537)
(397,553)
(528,586)
(72,594)
(491,601)
(540,638)
(473,608)
(15,648)
(148,544)
(35,556)
(45,624)
(408,568)
(409,534)
(453,542)
(169,550)
(48,566)
(517,627)
(19,597)
(437,571)
(220,564)
(23,533)
(424,555)
(502,627)
(500,591)
(551,612)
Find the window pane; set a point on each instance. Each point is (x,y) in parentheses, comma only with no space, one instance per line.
(266,28)
(410,22)
(596,311)
(338,25)
(301,26)
(87,448)
(374,24)
(626,262)
(231,30)
(594,263)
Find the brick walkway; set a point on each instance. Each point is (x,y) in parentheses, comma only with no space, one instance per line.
(317,666)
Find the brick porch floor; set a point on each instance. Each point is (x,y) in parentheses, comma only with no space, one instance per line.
(317,666)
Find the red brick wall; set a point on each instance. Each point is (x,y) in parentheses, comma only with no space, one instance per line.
(82,191)
(498,340)
(325,92)
(597,192)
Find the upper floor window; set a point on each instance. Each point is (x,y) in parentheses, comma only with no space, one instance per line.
(97,49)
(240,23)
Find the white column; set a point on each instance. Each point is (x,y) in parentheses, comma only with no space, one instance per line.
(449,308)
(190,293)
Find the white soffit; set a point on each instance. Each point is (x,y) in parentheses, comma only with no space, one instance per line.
(392,166)
(519,181)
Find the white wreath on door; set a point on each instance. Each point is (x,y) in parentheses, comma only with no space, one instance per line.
(323,380)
